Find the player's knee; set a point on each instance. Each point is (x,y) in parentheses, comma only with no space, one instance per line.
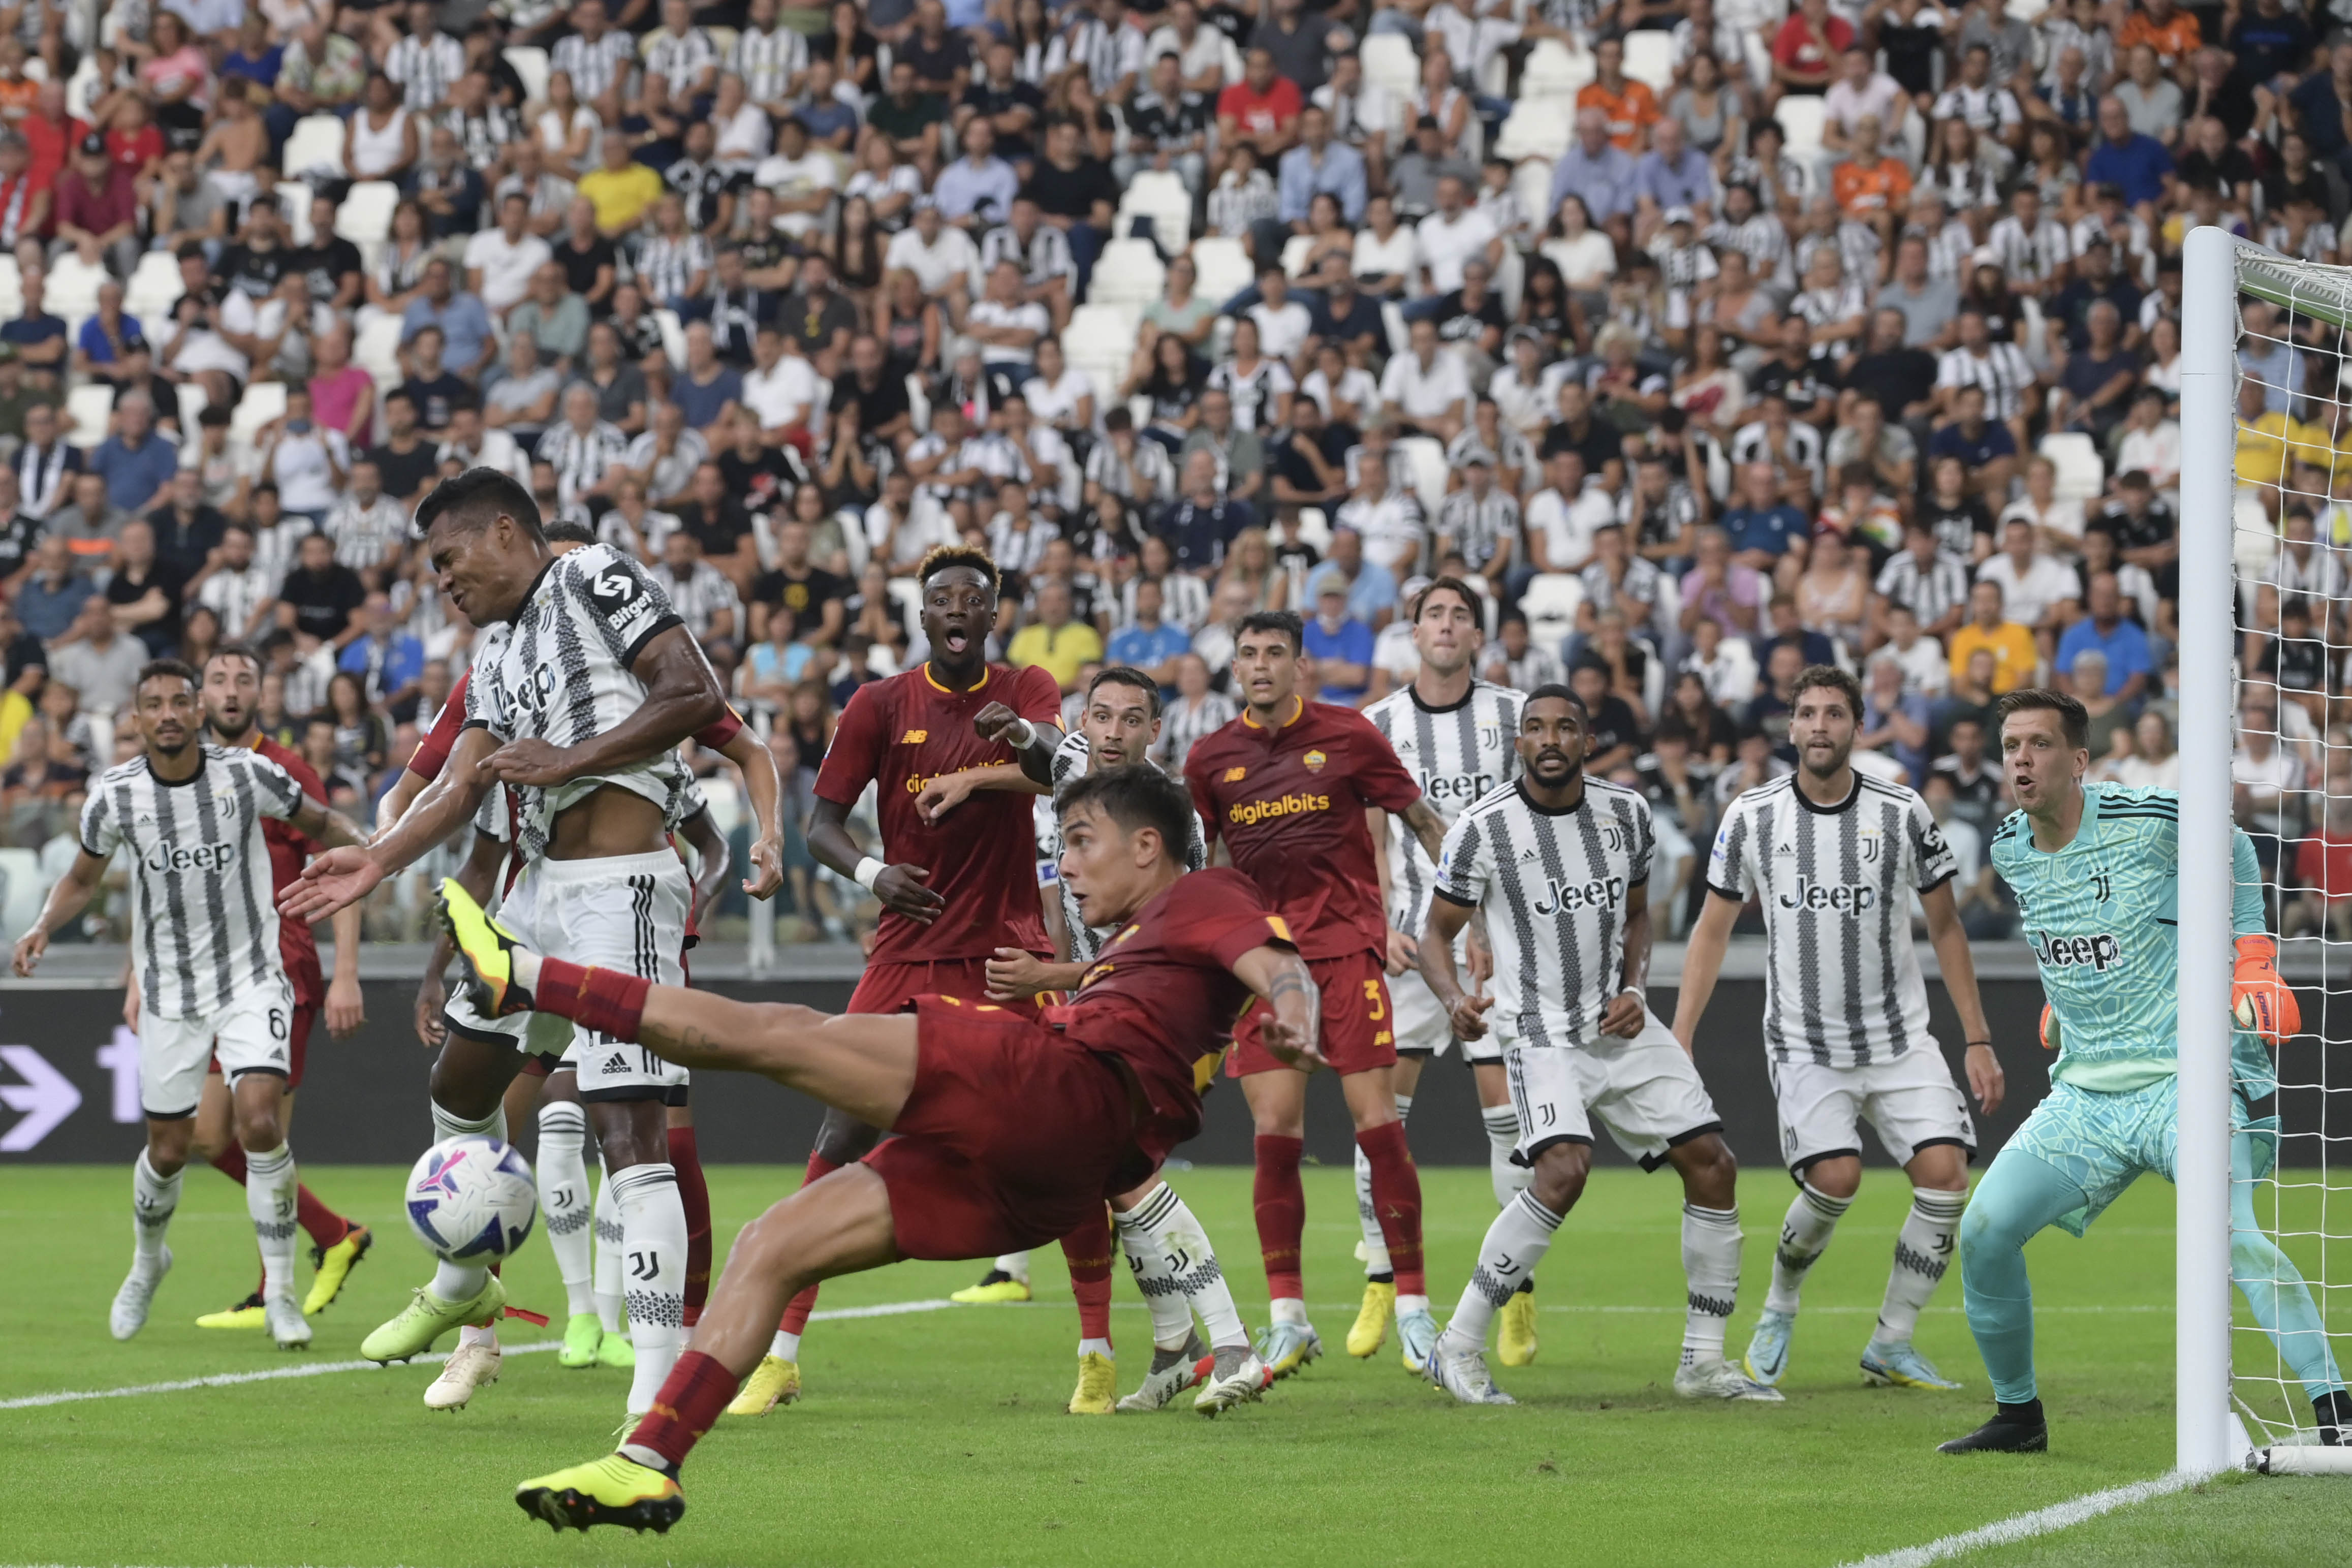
(1710,1171)
(258,1130)
(463,1093)
(1560,1175)
(1838,1177)
(1982,1233)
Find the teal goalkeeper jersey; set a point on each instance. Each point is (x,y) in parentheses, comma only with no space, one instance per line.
(2101,915)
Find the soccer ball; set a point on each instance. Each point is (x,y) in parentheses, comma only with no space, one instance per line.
(472,1198)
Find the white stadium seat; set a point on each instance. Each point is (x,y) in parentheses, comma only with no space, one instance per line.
(315,143)
(73,285)
(1650,57)
(192,403)
(1531,183)
(1554,71)
(1128,269)
(1389,62)
(263,400)
(366,213)
(87,409)
(1801,120)
(530,64)
(1427,455)
(1549,605)
(376,347)
(1294,255)
(1538,128)
(2081,474)
(154,287)
(1224,268)
(673,336)
(1315,529)
(1159,194)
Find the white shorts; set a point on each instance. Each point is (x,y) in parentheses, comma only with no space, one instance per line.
(1910,1101)
(625,912)
(1422,1027)
(1645,1090)
(250,1035)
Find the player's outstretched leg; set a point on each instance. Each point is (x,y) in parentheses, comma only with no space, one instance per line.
(1088,1252)
(1176,1269)
(1923,1250)
(1805,1234)
(1370,1329)
(154,1200)
(2274,1289)
(1710,1272)
(2018,1197)
(1007,1280)
(568,1212)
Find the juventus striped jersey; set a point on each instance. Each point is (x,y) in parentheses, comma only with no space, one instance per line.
(1554,886)
(560,672)
(1458,755)
(1071,761)
(1842,985)
(204,922)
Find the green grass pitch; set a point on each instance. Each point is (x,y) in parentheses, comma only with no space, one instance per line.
(939,1437)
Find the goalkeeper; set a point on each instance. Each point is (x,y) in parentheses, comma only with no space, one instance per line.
(2096,873)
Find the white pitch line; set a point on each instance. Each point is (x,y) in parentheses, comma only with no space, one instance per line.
(2026,1526)
(323,1368)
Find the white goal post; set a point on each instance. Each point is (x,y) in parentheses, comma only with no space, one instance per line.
(2223,526)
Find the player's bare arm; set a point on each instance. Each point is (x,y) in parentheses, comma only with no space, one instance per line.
(1703,964)
(710,862)
(945,793)
(1467,1010)
(1015,975)
(316,820)
(900,887)
(346,874)
(346,1003)
(1422,820)
(682,696)
(67,899)
(1281,976)
(1622,1017)
(1033,744)
(1960,971)
(765,789)
(1403,951)
(479,877)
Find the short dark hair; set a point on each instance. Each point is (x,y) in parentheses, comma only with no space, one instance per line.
(2074,721)
(1469,596)
(245,651)
(944,556)
(154,667)
(1127,675)
(1829,677)
(564,530)
(480,494)
(1135,796)
(1286,622)
(1555,692)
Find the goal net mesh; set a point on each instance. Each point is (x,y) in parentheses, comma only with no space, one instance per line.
(2291,772)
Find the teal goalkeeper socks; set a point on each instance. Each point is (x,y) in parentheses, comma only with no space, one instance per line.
(2018,1197)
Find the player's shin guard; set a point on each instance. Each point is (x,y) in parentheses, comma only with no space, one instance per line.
(605,1276)
(1516,1242)
(686,1406)
(269,1183)
(1711,1278)
(1510,1177)
(153,1199)
(1923,1250)
(797,1310)
(1368,1214)
(1087,1252)
(1280,1203)
(694,1192)
(653,1237)
(463,1281)
(1396,1194)
(564,1198)
(1804,1237)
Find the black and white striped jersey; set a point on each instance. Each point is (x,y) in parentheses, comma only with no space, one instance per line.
(1555,887)
(560,672)
(1071,760)
(1456,754)
(1842,985)
(204,922)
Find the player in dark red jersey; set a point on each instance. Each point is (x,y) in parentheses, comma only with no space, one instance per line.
(232,696)
(1286,787)
(1008,1131)
(953,891)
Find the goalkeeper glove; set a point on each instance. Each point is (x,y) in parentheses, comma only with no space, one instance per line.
(2049,1028)
(2259,998)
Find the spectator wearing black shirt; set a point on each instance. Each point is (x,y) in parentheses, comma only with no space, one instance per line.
(319,595)
(1075,192)
(2269,42)
(1951,510)
(1307,461)
(253,265)
(911,120)
(941,58)
(431,389)
(405,459)
(1343,312)
(331,264)
(1166,127)
(1614,734)
(884,411)
(589,263)
(145,592)
(815,597)
(1471,318)
(1899,379)
(816,315)
(1809,384)
(761,477)
(28,661)
(1012,106)
(186,529)
(2146,531)
(2096,279)
(737,309)
(719,524)
(1578,430)
(37,337)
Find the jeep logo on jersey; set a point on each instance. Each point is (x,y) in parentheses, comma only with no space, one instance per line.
(2101,952)
(1601,893)
(1455,788)
(1841,898)
(201,857)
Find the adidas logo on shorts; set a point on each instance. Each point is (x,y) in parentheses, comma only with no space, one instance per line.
(617,1062)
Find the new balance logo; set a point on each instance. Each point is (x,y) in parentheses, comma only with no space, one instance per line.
(913,737)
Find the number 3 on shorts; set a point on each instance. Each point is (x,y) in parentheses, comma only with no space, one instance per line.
(1379,1004)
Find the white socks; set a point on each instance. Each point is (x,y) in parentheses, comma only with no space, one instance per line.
(652,1240)
(152,1200)
(1922,1251)
(1711,1273)
(1514,1243)
(1804,1236)
(564,1198)
(447,1125)
(1502,1137)
(606,1295)
(1016,1264)
(457,1282)
(785,1346)
(269,1186)
(1176,1271)
(1376,1242)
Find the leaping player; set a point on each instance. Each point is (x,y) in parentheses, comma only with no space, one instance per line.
(2096,869)
(1008,1132)
(212,977)
(1285,788)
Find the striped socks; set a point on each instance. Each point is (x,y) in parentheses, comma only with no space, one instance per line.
(1804,1237)
(1923,1250)
(1514,1243)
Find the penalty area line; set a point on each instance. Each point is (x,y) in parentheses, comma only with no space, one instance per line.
(2026,1526)
(326,1368)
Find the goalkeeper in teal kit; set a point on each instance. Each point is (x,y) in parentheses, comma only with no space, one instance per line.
(2095,871)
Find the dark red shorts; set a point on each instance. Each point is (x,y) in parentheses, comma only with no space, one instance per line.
(893,987)
(298,1044)
(1012,1136)
(1359,1030)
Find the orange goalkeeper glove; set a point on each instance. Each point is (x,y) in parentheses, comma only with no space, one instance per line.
(2049,1028)
(2259,998)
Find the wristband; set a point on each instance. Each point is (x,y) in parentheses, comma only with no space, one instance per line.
(1972,1045)
(1028,737)
(1636,992)
(868,869)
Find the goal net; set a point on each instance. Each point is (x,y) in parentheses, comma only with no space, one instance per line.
(2264,532)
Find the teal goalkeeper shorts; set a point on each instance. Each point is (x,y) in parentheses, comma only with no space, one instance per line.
(2102,1142)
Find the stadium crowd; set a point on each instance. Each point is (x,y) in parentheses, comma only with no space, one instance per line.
(1708,339)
